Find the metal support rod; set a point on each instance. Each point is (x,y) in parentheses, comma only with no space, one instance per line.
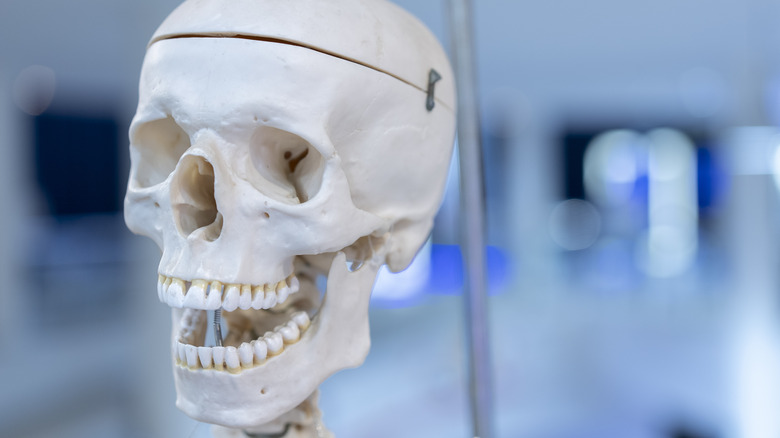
(218,327)
(472,216)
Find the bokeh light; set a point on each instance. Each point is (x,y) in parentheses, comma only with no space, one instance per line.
(33,90)
(575,224)
(612,165)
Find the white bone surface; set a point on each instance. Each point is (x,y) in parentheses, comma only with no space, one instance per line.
(259,163)
(374,33)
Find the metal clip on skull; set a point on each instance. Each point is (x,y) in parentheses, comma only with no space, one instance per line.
(276,142)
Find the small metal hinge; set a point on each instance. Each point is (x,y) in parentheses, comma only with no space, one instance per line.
(433,77)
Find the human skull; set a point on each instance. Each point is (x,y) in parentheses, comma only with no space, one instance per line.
(276,142)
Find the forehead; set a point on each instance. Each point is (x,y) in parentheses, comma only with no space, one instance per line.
(221,79)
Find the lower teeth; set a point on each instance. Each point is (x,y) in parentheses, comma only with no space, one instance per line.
(247,354)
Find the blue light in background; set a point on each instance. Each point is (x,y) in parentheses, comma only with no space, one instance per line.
(712,179)
(444,277)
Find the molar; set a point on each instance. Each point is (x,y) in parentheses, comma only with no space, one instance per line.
(274,342)
(290,332)
(301,319)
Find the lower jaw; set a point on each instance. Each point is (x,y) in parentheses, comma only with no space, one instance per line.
(243,396)
(238,352)
(254,336)
(251,396)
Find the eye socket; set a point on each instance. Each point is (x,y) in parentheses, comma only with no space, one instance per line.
(158,146)
(290,163)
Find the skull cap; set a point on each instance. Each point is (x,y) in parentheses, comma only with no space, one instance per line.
(374,33)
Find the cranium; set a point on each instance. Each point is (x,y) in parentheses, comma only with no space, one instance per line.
(276,142)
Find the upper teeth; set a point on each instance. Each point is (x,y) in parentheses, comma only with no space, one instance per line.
(212,295)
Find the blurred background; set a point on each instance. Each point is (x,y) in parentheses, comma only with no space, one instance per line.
(632,167)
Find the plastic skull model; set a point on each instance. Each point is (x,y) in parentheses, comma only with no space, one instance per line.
(277,142)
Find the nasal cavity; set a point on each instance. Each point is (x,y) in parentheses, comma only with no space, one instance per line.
(193,200)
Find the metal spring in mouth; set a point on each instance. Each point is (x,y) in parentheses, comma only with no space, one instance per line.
(218,327)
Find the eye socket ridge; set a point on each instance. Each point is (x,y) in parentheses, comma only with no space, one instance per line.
(288,162)
(158,146)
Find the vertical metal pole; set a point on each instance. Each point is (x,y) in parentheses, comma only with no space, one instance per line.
(472,216)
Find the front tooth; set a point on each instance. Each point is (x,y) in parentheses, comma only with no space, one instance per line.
(261,350)
(259,297)
(160,290)
(245,300)
(301,319)
(204,353)
(274,342)
(246,355)
(196,296)
(232,295)
(218,354)
(282,291)
(295,285)
(231,359)
(214,299)
(231,290)
(191,352)
(290,332)
(164,290)
(270,299)
(175,293)
(181,353)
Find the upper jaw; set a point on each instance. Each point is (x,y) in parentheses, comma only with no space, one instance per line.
(262,320)
(207,294)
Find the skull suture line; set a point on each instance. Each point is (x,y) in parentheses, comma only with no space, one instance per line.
(274,142)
